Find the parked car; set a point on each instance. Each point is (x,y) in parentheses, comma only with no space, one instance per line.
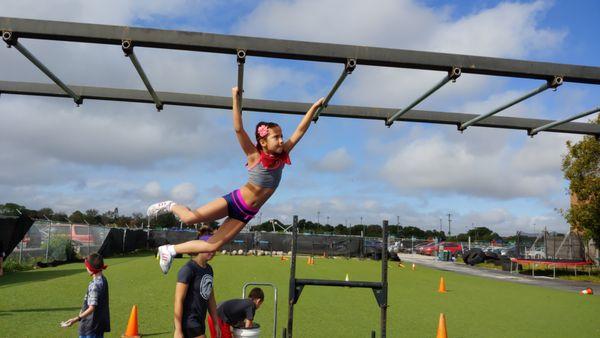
(432,249)
(78,233)
(425,249)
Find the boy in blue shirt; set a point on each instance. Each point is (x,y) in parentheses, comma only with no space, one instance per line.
(94,317)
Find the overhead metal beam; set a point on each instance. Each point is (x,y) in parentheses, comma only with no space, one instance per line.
(569,119)
(127,46)
(557,81)
(12,41)
(348,69)
(298,50)
(453,74)
(296,108)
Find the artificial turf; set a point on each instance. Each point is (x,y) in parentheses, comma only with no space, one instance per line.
(33,303)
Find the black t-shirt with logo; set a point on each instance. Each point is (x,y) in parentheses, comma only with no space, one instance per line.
(200,285)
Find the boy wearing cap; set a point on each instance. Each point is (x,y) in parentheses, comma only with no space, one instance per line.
(94,317)
(194,294)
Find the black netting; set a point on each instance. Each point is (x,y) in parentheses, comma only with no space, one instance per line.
(12,231)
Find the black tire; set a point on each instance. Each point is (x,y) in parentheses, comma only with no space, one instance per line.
(476,256)
(491,255)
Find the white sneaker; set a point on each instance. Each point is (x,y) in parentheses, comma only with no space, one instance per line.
(159,208)
(164,258)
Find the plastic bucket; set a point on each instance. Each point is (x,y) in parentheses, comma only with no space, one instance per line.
(247,333)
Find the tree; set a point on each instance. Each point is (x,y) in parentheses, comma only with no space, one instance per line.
(581,166)
(76,217)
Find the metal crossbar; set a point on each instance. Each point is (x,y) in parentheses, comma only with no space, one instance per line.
(295,108)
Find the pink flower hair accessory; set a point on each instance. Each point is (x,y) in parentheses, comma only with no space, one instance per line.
(263,130)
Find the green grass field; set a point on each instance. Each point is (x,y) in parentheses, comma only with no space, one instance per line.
(33,303)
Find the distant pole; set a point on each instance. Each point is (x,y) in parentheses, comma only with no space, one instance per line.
(449,223)
(327,219)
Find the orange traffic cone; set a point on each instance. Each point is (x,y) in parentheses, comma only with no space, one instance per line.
(312,261)
(308,260)
(442,287)
(132,324)
(587,291)
(441,331)
(283,258)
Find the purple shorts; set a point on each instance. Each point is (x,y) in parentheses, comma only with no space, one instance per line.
(237,207)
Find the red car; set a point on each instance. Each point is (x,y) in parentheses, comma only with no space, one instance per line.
(454,248)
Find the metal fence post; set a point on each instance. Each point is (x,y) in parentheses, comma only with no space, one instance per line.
(48,240)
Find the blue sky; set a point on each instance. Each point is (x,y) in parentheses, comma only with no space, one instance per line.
(103,155)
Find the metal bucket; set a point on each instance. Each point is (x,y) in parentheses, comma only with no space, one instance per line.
(253,332)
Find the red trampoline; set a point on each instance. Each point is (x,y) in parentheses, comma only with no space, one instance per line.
(564,263)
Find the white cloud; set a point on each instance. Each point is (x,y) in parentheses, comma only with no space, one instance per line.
(184,193)
(335,161)
(152,190)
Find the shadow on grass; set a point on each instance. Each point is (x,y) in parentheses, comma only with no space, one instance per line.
(8,312)
(155,333)
(15,278)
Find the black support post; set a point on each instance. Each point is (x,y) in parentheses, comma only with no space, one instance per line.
(384,279)
(292,291)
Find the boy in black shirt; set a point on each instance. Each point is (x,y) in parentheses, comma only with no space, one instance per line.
(94,316)
(238,312)
(194,296)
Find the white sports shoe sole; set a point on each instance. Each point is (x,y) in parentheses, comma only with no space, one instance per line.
(159,208)
(164,259)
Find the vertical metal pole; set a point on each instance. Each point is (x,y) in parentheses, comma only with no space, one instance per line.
(292,290)
(384,278)
(372,334)
(241,59)
(89,239)
(48,240)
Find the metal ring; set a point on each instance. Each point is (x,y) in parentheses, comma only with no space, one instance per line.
(126,44)
(6,35)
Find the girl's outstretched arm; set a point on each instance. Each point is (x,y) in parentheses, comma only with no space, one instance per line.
(302,127)
(247,145)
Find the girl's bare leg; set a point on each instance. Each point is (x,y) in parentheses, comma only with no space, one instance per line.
(223,235)
(211,211)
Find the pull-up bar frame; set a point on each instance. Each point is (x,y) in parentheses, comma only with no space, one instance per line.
(380,289)
(301,50)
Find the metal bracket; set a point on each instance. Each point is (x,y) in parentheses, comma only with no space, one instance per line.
(127,47)
(9,38)
(241,56)
(297,291)
(380,297)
